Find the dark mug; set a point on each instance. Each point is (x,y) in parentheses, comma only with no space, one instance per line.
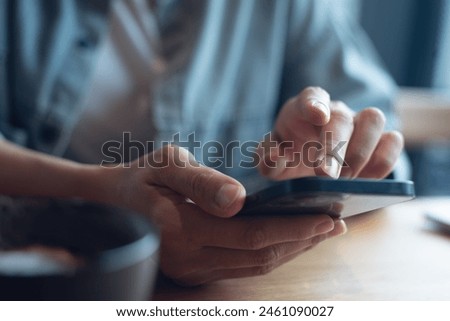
(60,250)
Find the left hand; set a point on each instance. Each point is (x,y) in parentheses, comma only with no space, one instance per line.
(314,135)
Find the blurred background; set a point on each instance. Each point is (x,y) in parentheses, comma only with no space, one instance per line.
(413,39)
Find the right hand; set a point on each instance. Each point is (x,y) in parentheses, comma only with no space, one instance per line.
(193,206)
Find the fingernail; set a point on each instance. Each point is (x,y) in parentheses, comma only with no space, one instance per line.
(320,105)
(324,227)
(346,172)
(340,228)
(331,166)
(324,110)
(228,194)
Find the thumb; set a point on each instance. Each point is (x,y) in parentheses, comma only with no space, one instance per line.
(214,192)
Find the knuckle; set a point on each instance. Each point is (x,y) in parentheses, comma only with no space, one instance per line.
(163,158)
(254,237)
(318,239)
(381,166)
(315,91)
(199,183)
(303,234)
(385,164)
(264,269)
(358,157)
(173,155)
(267,256)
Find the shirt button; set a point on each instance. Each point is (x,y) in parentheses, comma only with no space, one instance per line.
(87,42)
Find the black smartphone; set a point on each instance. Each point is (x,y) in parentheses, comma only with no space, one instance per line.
(335,197)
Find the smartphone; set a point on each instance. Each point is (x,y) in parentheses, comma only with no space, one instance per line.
(336,197)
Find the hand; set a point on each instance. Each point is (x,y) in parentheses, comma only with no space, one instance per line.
(316,136)
(193,205)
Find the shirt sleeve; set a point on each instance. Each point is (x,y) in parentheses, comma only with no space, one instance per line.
(329,49)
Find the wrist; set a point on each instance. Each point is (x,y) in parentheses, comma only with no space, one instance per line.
(99,184)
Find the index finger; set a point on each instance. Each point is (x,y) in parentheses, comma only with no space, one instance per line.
(334,138)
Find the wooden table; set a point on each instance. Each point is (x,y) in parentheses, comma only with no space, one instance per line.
(391,254)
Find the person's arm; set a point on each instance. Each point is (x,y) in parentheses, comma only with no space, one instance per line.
(345,108)
(31,173)
(191,205)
